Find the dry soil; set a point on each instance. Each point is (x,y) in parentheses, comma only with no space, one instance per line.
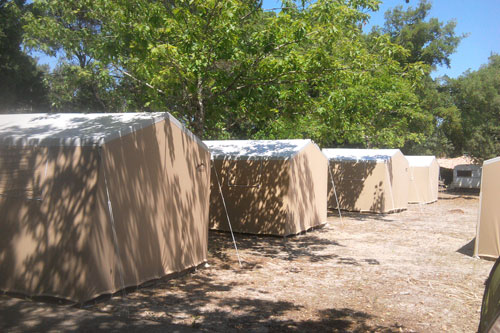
(411,271)
(403,272)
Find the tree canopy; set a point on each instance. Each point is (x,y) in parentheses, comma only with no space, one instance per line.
(477,96)
(427,39)
(21,81)
(231,69)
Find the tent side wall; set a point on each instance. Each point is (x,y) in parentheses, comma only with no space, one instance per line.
(418,179)
(52,242)
(254,191)
(424,183)
(361,186)
(487,242)
(434,181)
(419,190)
(307,196)
(398,169)
(158,181)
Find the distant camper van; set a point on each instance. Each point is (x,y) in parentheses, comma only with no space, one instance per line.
(466,176)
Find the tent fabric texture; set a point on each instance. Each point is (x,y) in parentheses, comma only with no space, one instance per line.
(489,321)
(368,180)
(94,203)
(424,179)
(466,176)
(487,243)
(272,187)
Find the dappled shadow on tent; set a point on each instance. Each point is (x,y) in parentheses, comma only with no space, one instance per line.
(349,178)
(269,196)
(253,191)
(58,237)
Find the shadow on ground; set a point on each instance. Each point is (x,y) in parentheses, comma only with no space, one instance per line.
(303,248)
(468,249)
(185,305)
(462,193)
(201,300)
(242,315)
(362,216)
(17,315)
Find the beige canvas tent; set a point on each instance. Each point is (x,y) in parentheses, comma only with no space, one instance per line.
(487,242)
(269,187)
(93,203)
(424,179)
(368,180)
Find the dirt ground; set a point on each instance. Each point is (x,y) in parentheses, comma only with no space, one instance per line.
(406,272)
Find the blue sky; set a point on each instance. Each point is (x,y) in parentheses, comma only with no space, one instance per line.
(479,18)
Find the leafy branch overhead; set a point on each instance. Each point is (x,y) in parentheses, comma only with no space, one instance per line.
(231,69)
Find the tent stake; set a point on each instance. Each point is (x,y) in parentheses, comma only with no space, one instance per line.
(227,214)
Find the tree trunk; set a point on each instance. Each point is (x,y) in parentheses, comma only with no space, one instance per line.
(199,117)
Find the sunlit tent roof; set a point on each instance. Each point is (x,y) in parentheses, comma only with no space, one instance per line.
(345,154)
(420,161)
(75,129)
(271,149)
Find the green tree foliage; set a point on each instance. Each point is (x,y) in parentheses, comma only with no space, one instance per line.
(22,88)
(79,83)
(87,89)
(428,40)
(477,96)
(230,69)
(444,127)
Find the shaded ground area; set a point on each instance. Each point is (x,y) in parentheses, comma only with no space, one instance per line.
(17,315)
(403,272)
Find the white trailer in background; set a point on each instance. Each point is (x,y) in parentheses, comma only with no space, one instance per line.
(466,176)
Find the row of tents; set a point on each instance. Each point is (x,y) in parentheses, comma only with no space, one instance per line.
(94,203)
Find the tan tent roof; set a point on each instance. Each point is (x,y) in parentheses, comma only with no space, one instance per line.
(256,149)
(270,187)
(369,155)
(487,242)
(76,129)
(93,203)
